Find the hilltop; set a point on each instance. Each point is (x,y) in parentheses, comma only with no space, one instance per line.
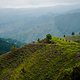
(42,61)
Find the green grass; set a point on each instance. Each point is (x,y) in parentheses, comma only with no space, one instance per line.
(41,61)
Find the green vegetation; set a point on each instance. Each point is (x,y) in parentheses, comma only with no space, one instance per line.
(13,48)
(38,40)
(42,61)
(64,35)
(7,44)
(48,38)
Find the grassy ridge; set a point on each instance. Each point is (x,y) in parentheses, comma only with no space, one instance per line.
(41,61)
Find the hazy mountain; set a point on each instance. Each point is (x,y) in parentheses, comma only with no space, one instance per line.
(27,25)
(68,22)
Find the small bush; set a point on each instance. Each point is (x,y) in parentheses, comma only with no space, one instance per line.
(13,48)
(48,38)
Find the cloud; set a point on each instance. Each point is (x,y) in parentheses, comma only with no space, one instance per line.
(35,3)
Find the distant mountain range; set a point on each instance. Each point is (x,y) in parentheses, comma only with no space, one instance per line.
(27,25)
(68,22)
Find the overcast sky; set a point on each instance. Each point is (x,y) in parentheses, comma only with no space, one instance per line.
(35,3)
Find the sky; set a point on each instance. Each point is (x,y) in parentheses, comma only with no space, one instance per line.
(35,3)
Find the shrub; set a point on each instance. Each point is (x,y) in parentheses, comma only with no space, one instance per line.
(13,48)
(64,35)
(38,40)
(48,38)
(73,33)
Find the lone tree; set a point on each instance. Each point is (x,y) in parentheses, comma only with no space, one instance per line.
(38,40)
(48,38)
(73,33)
(64,35)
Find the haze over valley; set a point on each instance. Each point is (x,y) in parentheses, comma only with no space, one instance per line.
(29,24)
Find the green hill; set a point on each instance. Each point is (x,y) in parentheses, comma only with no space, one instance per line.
(42,61)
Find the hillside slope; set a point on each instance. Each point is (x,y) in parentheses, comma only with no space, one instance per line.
(40,61)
